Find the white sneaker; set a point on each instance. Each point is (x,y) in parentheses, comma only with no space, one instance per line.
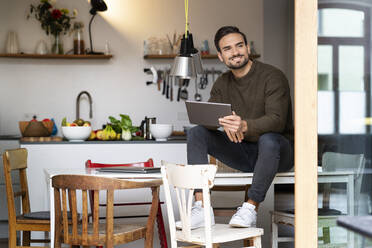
(246,216)
(197,216)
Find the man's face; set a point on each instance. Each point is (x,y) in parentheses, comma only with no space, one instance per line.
(234,53)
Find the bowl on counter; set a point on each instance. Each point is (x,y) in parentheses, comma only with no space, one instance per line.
(36,128)
(161,131)
(76,133)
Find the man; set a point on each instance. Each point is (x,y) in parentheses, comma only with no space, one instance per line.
(257,137)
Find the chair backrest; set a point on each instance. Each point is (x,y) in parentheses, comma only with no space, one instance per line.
(16,159)
(66,187)
(332,161)
(148,163)
(187,178)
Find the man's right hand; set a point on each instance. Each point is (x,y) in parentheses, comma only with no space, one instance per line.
(235,137)
(234,127)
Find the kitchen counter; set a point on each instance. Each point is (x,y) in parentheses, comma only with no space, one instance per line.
(10,137)
(99,142)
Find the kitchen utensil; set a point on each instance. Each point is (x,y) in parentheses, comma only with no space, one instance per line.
(171,87)
(160,78)
(76,134)
(197,96)
(203,81)
(164,84)
(184,94)
(145,127)
(161,131)
(179,89)
(12,45)
(167,86)
(154,74)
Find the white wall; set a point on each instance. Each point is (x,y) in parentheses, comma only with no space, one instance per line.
(278,42)
(49,88)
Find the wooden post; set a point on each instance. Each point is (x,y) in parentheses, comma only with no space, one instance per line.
(306,123)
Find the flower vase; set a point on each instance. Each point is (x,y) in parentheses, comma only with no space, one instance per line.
(57,45)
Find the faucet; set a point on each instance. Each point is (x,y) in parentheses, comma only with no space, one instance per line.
(78,104)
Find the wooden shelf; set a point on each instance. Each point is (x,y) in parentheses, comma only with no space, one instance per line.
(54,56)
(171,56)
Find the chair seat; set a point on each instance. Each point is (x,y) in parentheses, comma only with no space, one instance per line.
(321,211)
(221,233)
(119,233)
(41,215)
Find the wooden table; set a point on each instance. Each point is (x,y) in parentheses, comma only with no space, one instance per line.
(358,224)
(264,218)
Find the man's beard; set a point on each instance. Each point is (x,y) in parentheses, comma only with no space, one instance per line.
(237,67)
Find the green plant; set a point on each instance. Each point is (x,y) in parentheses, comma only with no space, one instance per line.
(52,20)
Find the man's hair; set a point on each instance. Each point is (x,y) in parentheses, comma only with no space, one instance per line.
(223,31)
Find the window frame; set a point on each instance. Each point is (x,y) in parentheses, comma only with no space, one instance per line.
(336,42)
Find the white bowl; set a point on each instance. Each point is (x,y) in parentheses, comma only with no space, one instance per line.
(76,133)
(161,131)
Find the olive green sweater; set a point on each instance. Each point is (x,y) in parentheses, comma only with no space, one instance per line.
(261,97)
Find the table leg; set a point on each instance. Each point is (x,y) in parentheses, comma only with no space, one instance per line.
(264,217)
(351,208)
(52,212)
(161,229)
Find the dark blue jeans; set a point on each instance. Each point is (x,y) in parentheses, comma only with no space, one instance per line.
(271,154)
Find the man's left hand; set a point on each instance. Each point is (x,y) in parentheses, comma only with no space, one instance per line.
(234,127)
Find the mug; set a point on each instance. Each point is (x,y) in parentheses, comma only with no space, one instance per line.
(12,43)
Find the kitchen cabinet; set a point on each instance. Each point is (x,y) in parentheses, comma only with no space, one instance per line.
(54,56)
(66,154)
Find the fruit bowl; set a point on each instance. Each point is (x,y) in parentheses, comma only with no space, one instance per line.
(36,128)
(76,133)
(161,131)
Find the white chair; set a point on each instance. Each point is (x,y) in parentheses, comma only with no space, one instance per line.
(185,179)
(327,217)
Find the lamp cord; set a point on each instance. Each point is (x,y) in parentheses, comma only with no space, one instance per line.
(186,17)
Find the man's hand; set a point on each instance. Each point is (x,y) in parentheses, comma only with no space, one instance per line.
(234,127)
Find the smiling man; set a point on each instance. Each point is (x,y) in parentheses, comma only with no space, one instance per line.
(257,137)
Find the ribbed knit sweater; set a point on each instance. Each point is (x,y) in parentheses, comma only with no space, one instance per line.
(261,97)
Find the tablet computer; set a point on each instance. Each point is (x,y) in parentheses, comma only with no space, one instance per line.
(207,113)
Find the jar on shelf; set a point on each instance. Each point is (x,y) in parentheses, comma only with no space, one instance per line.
(79,44)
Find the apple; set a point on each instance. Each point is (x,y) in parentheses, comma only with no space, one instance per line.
(73,125)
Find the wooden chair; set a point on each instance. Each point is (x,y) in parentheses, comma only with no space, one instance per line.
(327,217)
(159,216)
(16,160)
(98,234)
(187,178)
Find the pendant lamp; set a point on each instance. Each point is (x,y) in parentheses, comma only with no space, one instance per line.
(187,63)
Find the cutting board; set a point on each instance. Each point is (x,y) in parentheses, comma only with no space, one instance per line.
(41,139)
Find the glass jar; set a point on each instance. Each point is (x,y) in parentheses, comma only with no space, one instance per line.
(79,44)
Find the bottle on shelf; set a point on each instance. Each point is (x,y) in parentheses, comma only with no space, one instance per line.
(253,50)
(79,44)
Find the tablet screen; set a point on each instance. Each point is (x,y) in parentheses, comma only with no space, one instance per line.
(207,113)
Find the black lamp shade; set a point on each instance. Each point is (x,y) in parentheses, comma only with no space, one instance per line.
(97,5)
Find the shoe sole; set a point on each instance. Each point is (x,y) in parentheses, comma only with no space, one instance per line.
(192,228)
(241,226)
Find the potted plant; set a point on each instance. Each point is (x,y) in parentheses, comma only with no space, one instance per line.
(54,21)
